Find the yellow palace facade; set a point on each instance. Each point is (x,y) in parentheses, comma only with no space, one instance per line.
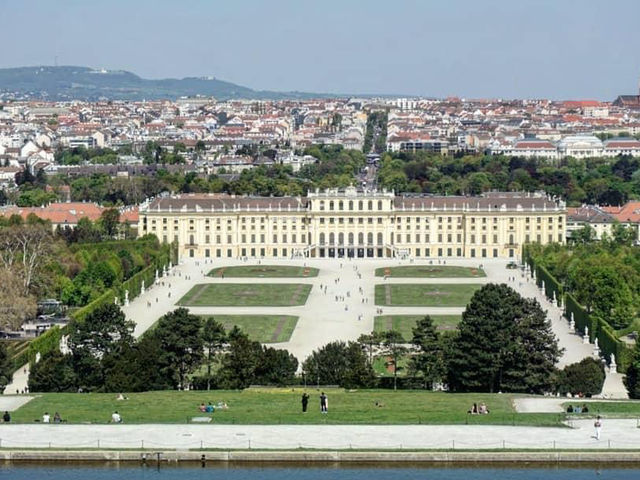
(354,223)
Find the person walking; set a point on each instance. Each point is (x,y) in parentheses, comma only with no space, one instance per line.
(598,426)
(324,403)
(305,402)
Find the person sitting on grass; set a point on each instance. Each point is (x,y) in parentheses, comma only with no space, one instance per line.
(570,409)
(585,409)
(115,417)
(209,408)
(474,409)
(202,407)
(483,410)
(57,418)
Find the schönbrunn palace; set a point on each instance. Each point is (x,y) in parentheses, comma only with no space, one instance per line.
(354,223)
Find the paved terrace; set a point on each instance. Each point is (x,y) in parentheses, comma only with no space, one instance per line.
(616,434)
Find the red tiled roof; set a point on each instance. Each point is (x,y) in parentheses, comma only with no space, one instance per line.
(629,212)
(581,103)
(623,144)
(530,144)
(58,213)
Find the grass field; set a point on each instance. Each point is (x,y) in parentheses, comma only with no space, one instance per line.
(244,294)
(430,271)
(425,295)
(282,406)
(405,323)
(264,271)
(261,328)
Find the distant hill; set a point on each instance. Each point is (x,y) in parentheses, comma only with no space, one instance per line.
(83,83)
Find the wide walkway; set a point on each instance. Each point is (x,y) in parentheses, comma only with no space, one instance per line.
(618,434)
(19,382)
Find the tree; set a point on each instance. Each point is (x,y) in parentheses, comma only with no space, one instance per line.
(110,220)
(369,344)
(586,377)
(339,363)
(505,344)
(181,345)
(6,367)
(276,367)
(240,363)
(632,377)
(393,347)
(24,249)
(601,287)
(586,234)
(103,333)
(53,373)
(135,368)
(16,306)
(213,336)
(429,359)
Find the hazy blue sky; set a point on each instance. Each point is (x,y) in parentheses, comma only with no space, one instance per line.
(471,48)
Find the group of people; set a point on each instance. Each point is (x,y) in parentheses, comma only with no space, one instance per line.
(578,409)
(46,418)
(324,402)
(210,408)
(481,409)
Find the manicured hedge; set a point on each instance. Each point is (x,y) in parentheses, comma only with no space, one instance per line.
(50,339)
(598,328)
(551,285)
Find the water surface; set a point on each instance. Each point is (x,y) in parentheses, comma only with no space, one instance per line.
(331,472)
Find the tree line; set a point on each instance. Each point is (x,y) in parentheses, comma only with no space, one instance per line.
(504,344)
(603,276)
(602,181)
(178,353)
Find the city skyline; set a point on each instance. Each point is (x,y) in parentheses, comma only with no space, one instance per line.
(566,49)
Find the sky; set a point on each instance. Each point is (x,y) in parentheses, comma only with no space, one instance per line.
(560,49)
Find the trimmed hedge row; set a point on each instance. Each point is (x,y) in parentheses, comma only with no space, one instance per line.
(598,328)
(50,340)
(551,285)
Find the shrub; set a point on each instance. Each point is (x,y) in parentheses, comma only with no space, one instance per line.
(586,377)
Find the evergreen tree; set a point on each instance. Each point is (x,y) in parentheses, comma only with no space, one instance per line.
(505,344)
(240,363)
(53,373)
(429,358)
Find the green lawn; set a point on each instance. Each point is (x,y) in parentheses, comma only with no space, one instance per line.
(266,271)
(430,271)
(282,406)
(425,295)
(246,294)
(261,328)
(405,323)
